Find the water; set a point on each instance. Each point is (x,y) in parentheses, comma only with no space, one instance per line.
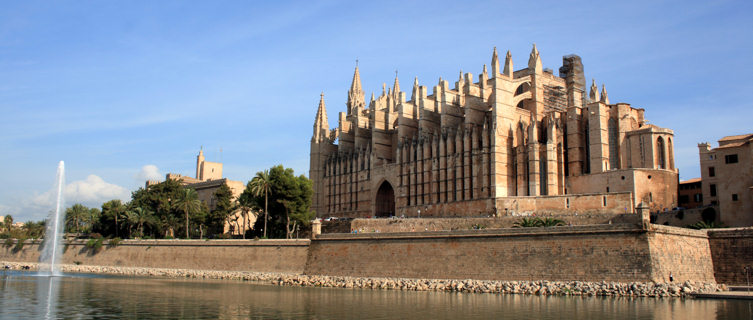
(24,296)
(52,250)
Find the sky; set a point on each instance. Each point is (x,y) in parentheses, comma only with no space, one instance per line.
(125,91)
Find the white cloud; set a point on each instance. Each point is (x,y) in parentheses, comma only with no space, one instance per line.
(148,172)
(8,210)
(92,191)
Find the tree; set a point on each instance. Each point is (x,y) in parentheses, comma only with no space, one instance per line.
(113,212)
(8,222)
(223,208)
(34,230)
(189,204)
(158,199)
(76,217)
(137,217)
(288,202)
(261,184)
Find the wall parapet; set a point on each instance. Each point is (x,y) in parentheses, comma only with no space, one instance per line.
(485,233)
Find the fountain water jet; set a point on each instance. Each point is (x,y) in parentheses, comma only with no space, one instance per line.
(49,260)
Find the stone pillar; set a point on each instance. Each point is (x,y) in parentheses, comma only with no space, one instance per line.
(468,181)
(442,169)
(316,228)
(643,210)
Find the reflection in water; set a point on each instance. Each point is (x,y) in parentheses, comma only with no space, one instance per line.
(87,297)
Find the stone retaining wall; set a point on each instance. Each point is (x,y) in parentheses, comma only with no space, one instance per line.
(617,252)
(231,255)
(680,252)
(620,253)
(732,251)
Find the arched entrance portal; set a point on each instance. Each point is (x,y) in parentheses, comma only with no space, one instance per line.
(385,201)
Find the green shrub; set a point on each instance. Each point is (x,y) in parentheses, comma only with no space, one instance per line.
(527,223)
(95,244)
(538,222)
(706,225)
(551,222)
(19,245)
(114,242)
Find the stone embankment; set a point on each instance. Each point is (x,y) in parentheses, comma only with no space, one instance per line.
(570,288)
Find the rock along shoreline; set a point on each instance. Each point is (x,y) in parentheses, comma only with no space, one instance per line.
(543,287)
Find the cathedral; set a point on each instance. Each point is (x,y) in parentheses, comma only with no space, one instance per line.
(509,142)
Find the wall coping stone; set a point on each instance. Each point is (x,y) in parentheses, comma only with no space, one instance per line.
(206,243)
(678,231)
(745,232)
(486,233)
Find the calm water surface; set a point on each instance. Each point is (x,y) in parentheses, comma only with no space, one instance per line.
(25,296)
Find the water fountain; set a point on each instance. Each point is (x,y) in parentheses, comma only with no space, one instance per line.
(49,260)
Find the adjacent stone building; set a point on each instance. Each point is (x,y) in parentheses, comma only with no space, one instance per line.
(727,178)
(510,142)
(690,193)
(206,183)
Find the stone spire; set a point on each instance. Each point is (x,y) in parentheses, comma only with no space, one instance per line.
(384,89)
(484,73)
(396,86)
(495,63)
(355,94)
(594,93)
(321,126)
(508,65)
(534,60)
(199,162)
(414,96)
(604,96)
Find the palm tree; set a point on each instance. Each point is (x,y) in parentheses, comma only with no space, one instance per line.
(116,209)
(527,223)
(189,203)
(261,184)
(244,214)
(8,222)
(706,225)
(75,216)
(137,217)
(551,222)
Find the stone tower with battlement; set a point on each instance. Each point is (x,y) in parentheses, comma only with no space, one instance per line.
(505,143)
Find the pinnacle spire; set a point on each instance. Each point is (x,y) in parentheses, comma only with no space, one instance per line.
(534,60)
(495,63)
(415,89)
(321,126)
(508,71)
(396,86)
(594,93)
(355,94)
(604,96)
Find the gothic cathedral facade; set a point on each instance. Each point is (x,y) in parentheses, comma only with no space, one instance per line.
(512,142)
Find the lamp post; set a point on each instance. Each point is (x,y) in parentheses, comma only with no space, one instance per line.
(419,213)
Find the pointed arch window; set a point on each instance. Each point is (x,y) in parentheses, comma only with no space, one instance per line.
(660,154)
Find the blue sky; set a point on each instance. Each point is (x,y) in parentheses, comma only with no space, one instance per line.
(126,90)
